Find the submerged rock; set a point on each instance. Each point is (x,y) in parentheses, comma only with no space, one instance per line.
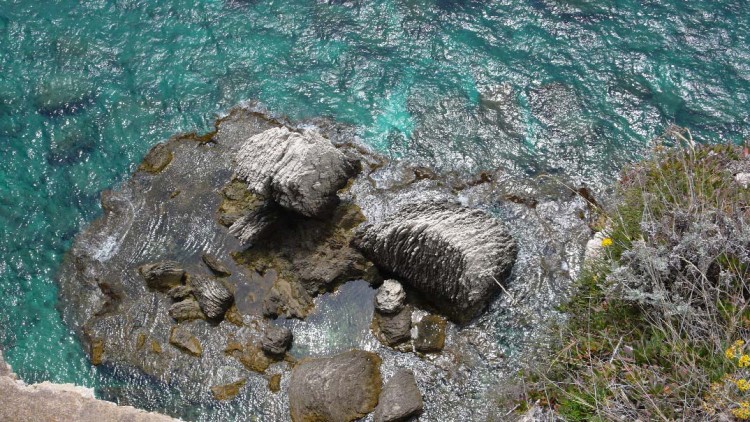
(228,391)
(455,256)
(162,276)
(213,297)
(344,387)
(390,297)
(276,340)
(430,334)
(300,171)
(400,399)
(185,341)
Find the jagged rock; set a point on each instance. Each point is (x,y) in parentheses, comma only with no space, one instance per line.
(430,334)
(213,297)
(400,399)
(162,276)
(181,292)
(186,310)
(255,224)
(276,340)
(215,265)
(289,300)
(300,171)
(393,329)
(228,391)
(344,387)
(390,297)
(455,256)
(185,341)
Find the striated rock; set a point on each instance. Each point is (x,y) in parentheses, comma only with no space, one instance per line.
(276,340)
(393,329)
(430,334)
(213,297)
(255,224)
(455,256)
(185,341)
(287,300)
(186,310)
(390,297)
(300,171)
(400,399)
(215,266)
(162,276)
(228,391)
(344,387)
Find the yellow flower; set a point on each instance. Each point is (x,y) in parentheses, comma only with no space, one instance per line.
(729,353)
(742,412)
(607,241)
(742,385)
(744,361)
(739,343)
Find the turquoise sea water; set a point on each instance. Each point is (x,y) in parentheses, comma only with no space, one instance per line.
(87,87)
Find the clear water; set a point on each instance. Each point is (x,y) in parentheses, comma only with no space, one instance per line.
(87,87)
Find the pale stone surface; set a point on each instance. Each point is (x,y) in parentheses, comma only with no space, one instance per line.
(390,298)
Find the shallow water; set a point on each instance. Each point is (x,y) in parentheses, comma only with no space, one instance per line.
(537,86)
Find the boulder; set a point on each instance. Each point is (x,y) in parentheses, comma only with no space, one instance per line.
(162,276)
(456,256)
(393,329)
(390,297)
(276,340)
(341,388)
(185,341)
(213,297)
(300,171)
(215,265)
(400,399)
(430,334)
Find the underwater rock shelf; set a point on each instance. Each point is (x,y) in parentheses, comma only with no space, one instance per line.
(201,258)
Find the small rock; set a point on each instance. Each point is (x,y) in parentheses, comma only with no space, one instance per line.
(390,297)
(157,159)
(181,292)
(216,266)
(228,391)
(276,340)
(185,341)
(156,347)
(213,297)
(186,310)
(97,351)
(344,387)
(249,355)
(430,334)
(274,383)
(393,329)
(162,276)
(400,399)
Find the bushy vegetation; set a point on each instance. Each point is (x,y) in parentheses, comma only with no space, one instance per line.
(658,325)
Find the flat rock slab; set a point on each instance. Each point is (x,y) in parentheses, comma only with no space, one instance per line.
(455,256)
(341,388)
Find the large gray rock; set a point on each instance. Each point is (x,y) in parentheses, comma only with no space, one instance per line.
(341,388)
(455,256)
(400,399)
(213,297)
(299,171)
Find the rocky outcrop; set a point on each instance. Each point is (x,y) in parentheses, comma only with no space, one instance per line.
(60,402)
(455,256)
(213,297)
(341,388)
(299,171)
(276,340)
(400,399)
(390,297)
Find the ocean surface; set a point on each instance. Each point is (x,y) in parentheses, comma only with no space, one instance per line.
(572,87)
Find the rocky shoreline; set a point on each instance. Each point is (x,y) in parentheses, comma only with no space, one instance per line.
(204,258)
